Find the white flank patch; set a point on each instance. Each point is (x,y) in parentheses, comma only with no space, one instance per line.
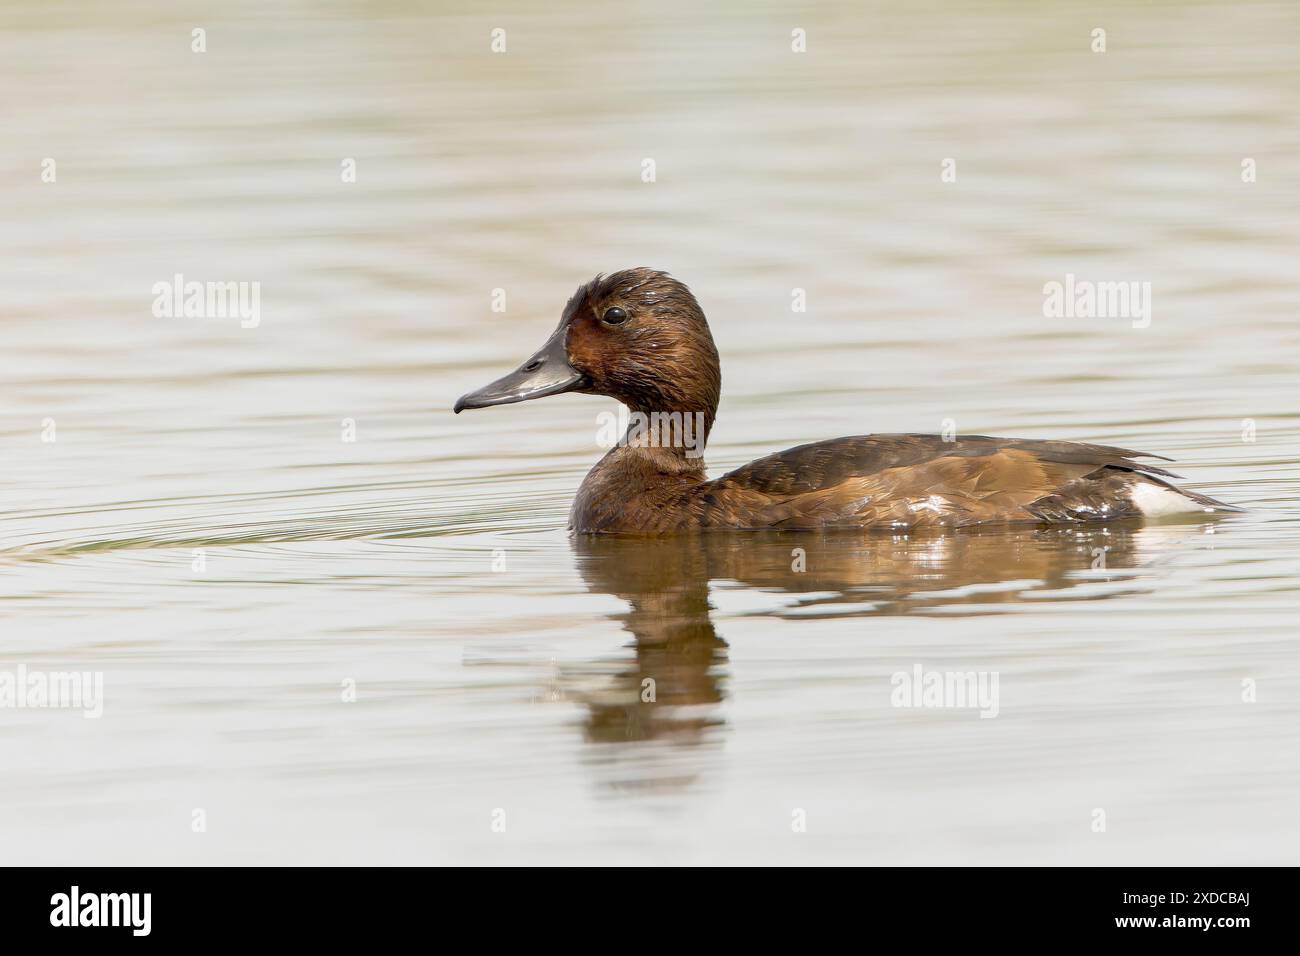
(1156,502)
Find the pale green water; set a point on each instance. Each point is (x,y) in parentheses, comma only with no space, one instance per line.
(371,561)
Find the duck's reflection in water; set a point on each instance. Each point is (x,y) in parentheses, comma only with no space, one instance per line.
(678,675)
(679,655)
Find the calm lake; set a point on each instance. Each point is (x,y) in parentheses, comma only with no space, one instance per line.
(337,624)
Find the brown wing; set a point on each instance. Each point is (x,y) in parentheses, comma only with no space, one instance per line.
(913,481)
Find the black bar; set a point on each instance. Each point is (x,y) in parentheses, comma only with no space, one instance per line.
(299,905)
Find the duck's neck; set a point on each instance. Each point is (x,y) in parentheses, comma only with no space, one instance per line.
(672,400)
(675,438)
(637,487)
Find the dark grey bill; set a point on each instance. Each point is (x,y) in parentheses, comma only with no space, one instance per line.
(548,372)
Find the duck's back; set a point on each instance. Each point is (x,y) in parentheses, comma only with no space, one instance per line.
(918,481)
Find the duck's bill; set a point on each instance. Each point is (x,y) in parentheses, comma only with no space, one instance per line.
(548,372)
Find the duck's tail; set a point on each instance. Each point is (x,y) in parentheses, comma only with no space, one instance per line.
(1156,499)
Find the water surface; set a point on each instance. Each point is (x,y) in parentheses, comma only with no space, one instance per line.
(201,532)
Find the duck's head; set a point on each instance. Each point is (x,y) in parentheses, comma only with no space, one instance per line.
(637,336)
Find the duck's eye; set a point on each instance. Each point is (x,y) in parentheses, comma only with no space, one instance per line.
(614,316)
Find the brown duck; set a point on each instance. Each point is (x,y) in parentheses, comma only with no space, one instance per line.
(640,337)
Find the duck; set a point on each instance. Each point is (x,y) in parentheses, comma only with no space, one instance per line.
(640,337)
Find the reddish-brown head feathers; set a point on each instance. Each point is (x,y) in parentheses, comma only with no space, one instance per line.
(640,337)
